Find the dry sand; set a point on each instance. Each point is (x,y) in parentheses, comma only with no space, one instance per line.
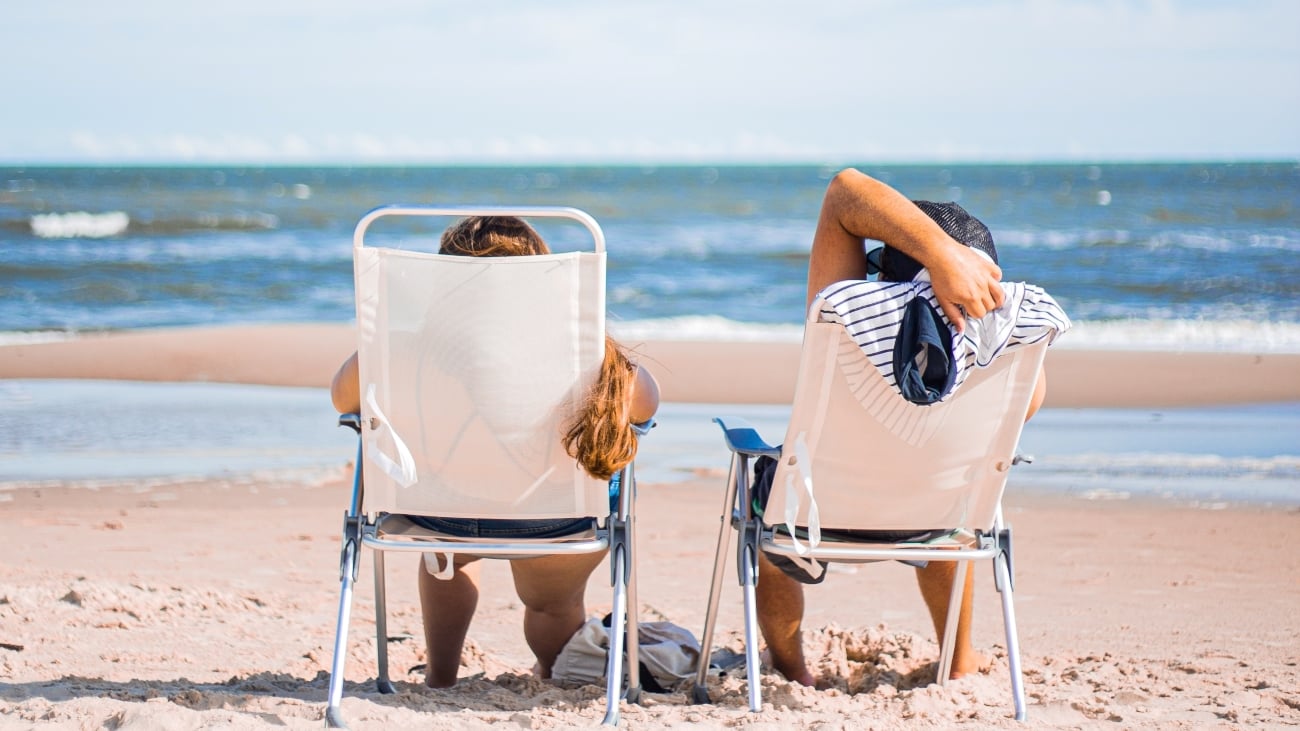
(212,605)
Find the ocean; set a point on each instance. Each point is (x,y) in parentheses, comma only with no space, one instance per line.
(1201,256)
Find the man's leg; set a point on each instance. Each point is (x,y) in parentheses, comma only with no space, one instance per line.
(780,619)
(552,589)
(935,581)
(447,607)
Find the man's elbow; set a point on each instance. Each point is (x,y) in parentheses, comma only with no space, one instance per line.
(1040,394)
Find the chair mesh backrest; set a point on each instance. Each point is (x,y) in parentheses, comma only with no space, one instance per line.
(881,462)
(475,365)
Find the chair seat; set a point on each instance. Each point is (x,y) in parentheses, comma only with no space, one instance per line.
(837,550)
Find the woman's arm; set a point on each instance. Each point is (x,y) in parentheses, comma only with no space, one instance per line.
(345,390)
(643,401)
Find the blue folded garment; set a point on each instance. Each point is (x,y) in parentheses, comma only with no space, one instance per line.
(923,367)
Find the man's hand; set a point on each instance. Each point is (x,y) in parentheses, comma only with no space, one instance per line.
(858,207)
(966,284)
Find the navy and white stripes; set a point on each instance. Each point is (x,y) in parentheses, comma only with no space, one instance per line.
(871,313)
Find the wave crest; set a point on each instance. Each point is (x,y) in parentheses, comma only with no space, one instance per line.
(80,225)
(1232,336)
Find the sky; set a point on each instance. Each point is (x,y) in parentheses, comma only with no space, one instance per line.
(576,81)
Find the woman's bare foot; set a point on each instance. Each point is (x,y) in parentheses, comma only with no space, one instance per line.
(433,682)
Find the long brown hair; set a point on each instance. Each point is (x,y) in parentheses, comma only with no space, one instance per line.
(599,436)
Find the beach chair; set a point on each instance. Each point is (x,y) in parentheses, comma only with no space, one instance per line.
(470,367)
(858,456)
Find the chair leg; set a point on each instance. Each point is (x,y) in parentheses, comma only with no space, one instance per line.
(749,580)
(1002,576)
(383,683)
(700,693)
(632,628)
(614,660)
(950,626)
(348,575)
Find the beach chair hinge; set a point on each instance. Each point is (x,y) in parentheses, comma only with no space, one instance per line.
(351,421)
(351,546)
(617,528)
(1004,547)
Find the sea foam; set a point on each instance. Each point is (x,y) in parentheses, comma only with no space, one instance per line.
(1234,336)
(80,224)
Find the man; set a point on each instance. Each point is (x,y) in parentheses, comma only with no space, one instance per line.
(857,207)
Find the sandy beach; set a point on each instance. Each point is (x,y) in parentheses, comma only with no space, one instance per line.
(211,604)
(688,371)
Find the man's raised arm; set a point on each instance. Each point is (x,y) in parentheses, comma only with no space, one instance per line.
(859,207)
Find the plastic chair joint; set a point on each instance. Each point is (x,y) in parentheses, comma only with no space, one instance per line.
(352,421)
(742,438)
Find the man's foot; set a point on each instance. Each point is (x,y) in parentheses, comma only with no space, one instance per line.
(971,664)
(798,674)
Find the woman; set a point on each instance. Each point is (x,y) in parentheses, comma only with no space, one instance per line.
(600,438)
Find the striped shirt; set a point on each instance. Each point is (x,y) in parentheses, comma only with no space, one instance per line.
(872,313)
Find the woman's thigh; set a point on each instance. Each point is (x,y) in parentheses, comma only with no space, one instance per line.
(547,580)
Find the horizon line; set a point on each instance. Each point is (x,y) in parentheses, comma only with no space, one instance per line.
(837,162)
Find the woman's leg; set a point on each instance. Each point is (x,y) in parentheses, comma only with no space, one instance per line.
(447,606)
(552,589)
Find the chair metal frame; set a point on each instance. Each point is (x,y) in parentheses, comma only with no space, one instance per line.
(363,530)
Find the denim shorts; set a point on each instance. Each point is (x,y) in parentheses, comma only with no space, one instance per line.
(503,528)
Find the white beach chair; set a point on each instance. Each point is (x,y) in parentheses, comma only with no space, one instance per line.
(469,369)
(858,456)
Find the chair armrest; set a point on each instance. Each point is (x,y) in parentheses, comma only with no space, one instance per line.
(743,438)
(352,421)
